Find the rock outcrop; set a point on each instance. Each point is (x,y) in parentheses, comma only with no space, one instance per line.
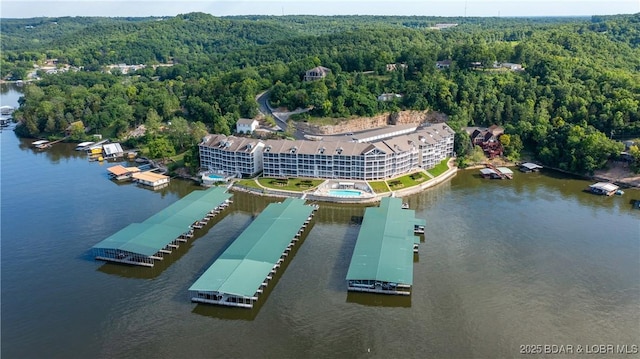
(367,123)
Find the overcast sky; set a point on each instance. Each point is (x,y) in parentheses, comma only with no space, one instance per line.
(54,8)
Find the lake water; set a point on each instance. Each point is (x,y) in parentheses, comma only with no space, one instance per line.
(534,260)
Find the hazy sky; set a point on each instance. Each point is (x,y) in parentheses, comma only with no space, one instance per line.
(53,8)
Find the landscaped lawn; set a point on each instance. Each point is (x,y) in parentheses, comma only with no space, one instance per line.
(248,183)
(440,168)
(290,184)
(411,180)
(379,186)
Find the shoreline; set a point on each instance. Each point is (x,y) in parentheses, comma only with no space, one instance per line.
(313,196)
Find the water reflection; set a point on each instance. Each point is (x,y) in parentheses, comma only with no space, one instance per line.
(379,300)
(134,271)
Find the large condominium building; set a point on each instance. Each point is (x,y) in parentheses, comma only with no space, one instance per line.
(379,154)
(231,155)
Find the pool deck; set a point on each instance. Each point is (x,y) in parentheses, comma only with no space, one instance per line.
(321,193)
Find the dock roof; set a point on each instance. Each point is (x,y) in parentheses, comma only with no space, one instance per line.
(384,248)
(120,170)
(605,186)
(531,166)
(149,176)
(190,208)
(155,233)
(244,265)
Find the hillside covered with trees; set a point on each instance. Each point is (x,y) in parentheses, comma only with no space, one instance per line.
(579,91)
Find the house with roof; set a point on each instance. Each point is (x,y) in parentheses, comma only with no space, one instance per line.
(443,64)
(512,66)
(394,67)
(246,125)
(389,97)
(487,138)
(316,73)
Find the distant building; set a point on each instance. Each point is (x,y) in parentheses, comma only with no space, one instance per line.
(444,64)
(394,67)
(246,125)
(316,73)
(511,66)
(443,26)
(487,138)
(389,97)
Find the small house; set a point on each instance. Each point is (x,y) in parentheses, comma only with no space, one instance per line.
(246,125)
(444,64)
(316,73)
(389,97)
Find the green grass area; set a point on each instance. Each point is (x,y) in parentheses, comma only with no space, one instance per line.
(248,183)
(379,186)
(440,168)
(290,184)
(410,180)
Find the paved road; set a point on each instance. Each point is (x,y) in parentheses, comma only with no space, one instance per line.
(280,117)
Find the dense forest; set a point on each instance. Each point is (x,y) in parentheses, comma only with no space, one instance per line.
(579,92)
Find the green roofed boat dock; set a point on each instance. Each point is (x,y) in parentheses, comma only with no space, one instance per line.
(245,268)
(382,260)
(144,243)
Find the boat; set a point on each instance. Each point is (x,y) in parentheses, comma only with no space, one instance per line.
(41,144)
(619,192)
(82,145)
(405,205)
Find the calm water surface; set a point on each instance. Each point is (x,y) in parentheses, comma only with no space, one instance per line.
(504,263)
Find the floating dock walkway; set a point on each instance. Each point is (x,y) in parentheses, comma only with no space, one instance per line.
(144,243)
(246,267)
(382,260)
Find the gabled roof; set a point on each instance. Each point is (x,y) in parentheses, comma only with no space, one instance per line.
(246,121)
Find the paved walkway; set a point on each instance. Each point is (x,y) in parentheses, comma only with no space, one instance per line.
(313,194)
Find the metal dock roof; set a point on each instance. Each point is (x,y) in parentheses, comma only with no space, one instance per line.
(159,230)
(384,248)
(245,264)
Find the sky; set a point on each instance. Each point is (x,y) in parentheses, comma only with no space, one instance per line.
(141,8)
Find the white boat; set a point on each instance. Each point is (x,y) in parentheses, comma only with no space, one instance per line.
(82,145)
(39,143)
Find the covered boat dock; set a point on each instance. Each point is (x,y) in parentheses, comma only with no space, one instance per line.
(146,242)
(245,268)
(121,173)
(382,260)
(150,179)
(604,188)
(530,167)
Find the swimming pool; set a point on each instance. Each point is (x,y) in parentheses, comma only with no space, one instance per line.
(212,176)
(345,193)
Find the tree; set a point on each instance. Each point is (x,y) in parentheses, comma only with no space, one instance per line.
(161,148)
